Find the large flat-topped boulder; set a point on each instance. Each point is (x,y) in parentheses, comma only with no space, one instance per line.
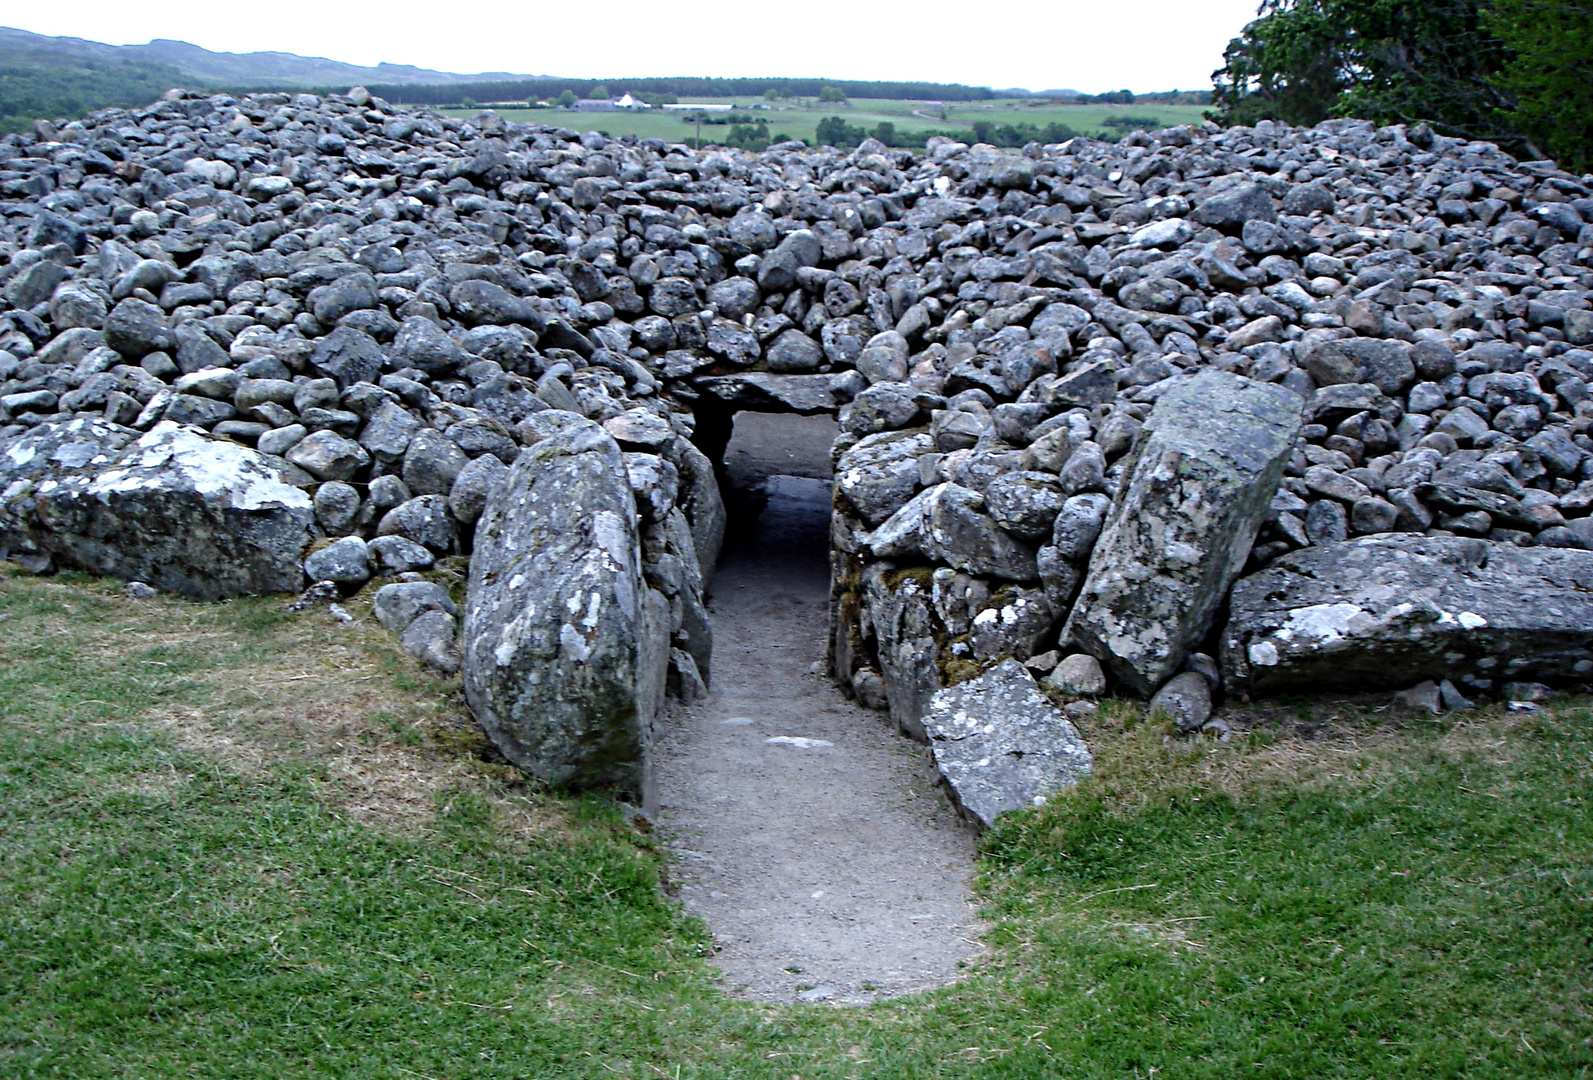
(566,647)
(174,507)
(1196,486)
(1387,611)
(1001,745)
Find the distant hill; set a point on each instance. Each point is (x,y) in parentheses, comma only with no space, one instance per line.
(201,66)
(50,83)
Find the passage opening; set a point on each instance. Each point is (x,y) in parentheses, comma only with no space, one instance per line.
(776,484)
(812,840)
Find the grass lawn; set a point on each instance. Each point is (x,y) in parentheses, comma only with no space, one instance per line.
(237,843)
(799,119)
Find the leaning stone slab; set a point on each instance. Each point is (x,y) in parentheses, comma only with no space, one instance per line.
(1196,485)
(1001,745)
(175,508)
(566,648)
(1392,610)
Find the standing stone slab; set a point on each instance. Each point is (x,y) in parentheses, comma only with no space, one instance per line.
(174,508)
(1197,483)
(566,648)
(1389,611)
(1001,745)
(897,605)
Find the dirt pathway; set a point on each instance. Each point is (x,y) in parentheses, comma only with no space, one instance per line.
(811,837)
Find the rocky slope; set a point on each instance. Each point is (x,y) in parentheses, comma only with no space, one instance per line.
(385,307)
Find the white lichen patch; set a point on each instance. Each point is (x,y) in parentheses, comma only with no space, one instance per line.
(211,467)
(1318,625)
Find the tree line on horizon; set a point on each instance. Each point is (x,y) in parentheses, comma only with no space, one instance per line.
(550,89)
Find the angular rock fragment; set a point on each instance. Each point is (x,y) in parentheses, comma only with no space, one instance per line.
(899,609)
(174,508)
(1001,745)
(947,523)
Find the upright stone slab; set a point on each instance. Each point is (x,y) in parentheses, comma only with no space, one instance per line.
(175,507)
(1196,485)
(1001,745)
(897,606)
(1391,610)
(566,648)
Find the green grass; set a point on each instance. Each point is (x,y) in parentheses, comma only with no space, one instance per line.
(208,868)
(799,119)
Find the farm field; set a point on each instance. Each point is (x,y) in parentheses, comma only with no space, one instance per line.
(800,119)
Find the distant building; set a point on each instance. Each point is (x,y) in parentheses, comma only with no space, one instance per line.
(693,106)
(625,103)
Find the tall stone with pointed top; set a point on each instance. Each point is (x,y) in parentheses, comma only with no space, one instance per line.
(1194,490)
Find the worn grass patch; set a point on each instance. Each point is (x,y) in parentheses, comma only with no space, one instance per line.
(235,843)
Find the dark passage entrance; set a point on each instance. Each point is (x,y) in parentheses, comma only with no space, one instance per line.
(776,485)
(811,837)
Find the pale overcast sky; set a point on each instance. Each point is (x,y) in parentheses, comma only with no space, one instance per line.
(1141,45)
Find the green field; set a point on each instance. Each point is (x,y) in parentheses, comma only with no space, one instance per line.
(238,844)
(799,119)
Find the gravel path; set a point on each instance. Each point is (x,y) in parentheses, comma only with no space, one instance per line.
(812,839)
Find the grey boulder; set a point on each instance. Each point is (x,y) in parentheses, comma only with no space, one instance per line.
(175,508)
(433,639)
(1185,699)
(399,555)
(879,475)
(1230,209)
(345,562)
(401,603)
(1387,611)
(898,607)
(947,523)
(567,648)
(999,744)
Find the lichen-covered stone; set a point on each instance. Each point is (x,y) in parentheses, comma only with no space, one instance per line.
(806,394)
(880,474)
(899,607)
(698,498)
(1197,485)
(566,648)
(947,523)
(175,508)
(1387,611)
(1001,745)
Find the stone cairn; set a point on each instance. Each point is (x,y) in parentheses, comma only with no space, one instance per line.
(1250,409)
